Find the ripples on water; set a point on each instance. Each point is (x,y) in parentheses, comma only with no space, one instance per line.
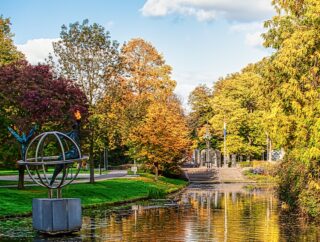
(225,212)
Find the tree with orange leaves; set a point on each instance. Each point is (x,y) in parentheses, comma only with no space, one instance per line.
(157,128)
(162,139)
(140,110)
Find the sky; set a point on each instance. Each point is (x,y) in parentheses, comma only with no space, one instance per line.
(202,40)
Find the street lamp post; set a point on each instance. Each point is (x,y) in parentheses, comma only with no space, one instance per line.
(105,158)
(225,144)
(207,138)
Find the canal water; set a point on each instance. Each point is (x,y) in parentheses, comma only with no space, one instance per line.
(222,212)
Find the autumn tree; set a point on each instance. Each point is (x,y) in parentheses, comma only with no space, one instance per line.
(162,139)
(8,51)
(134,99)
(292,82)
(113,122)
(145,69)
(88,56)
(30,95)
(145,75)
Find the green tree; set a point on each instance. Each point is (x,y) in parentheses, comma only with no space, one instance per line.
(237,100)
(87,55)
(200,106)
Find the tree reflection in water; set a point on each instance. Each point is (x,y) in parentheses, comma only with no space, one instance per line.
(225,212)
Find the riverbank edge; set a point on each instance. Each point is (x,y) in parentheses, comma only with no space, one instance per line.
(173,192)
(111,204)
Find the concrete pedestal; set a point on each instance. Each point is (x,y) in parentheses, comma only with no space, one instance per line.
(55,216)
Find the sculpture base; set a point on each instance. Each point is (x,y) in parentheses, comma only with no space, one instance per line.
(55,216)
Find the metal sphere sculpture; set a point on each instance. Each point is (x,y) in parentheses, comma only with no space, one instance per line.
(53,159)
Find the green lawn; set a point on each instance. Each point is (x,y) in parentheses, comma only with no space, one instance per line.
(15,202)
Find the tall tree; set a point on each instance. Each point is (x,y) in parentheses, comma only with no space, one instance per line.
(8,51)
(199,104)
(142,92)
(145,75)
(201,112)
(238,101)
(113,119)
(293,84)
(87,55)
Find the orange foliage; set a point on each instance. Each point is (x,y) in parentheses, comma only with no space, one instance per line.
(163,137)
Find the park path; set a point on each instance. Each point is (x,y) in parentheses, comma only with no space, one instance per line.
(215,175)
(83,178)
(231,175)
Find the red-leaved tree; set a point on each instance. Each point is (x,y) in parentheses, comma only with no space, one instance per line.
(31,95)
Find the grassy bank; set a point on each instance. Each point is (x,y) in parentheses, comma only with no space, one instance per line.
(259,178)
(18,202)
(260,171)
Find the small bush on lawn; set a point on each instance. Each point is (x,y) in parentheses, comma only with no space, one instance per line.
(156,193)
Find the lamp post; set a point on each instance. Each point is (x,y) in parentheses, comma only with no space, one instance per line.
(134,168)
(105,158)
(207,138)
(225,144)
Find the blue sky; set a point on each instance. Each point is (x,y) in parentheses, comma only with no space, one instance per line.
(201,39)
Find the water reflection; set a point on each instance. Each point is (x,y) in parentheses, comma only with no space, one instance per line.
(225,212)
(232,213)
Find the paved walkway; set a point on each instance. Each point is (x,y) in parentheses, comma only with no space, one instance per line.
(83,177)
(231,174)
(215,175)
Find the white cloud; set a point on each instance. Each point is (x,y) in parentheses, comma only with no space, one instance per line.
(208,10)
(254,39)
(242,27)
(252,32)
(37,50)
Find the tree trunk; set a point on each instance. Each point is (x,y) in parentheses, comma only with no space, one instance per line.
(91,160)
(156,166)
(270,150)
(156,177)
(21,177)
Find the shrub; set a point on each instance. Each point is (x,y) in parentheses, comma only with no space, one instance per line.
(309,201)
(156,193)
(258,171)
(245,164)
